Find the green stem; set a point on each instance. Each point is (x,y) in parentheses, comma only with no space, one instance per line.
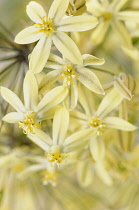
(102,70)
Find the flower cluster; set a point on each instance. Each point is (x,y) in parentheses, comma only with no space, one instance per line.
(80,117)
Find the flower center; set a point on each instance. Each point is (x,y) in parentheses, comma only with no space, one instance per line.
(69,75)
(56,155)
(46,26)
(97,123)
(106,16)
(28,123)
(49,177)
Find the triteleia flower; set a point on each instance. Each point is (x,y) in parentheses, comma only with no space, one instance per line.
(112,14)
(98,120)
(30,115)
(70,73)
(88,168)
(51,27)
(58,147)
(124,84)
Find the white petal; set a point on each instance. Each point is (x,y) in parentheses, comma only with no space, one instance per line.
(103,174)
(122,89)
(60,125)
(48,80)
(118,123)
(129,16)
(117,5)
(51,99)
(77,139)
(97,148)
(122,33)
(78,23)
(30,88)
(28,35)
(12,117)
(67,47)
(100,31)
(72,98)
(40,55)
(56,59)
(90,80)
(86,99)
(58,9)
(54,62)
(41,139)
(35,12)
(89,60)
(109,103)
(85,173)
(12,99)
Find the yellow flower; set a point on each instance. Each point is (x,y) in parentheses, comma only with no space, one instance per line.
(33,112)
(112,14)
(59,146)
(51,27)
(70,73)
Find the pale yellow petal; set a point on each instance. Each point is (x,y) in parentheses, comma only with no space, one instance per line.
(28,35)
(41,139)
(109,103)
(99,33)
(89,60)
(72,98)
(60,125)
(86,99)
(78,23)
(122,33)
(48,80)
(122,89)
(67,47)
(118,123)
(58,9)
(54,62)
(12,117)
(30,89)
(85,173)
(78,138)
(129,16)
(97,148)
(12,99)
(40,55)
(90,80)
(103,174)
(118,5)
(35,12)
(51,99)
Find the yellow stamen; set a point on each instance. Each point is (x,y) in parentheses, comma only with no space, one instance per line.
(69,74)
(106,16)
(97,123)
(49,176)
(28,123)
(55,155)
(46,26)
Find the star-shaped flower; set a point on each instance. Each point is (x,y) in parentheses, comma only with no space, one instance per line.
(30,115)
(59,146)
(51,27)
(70,73)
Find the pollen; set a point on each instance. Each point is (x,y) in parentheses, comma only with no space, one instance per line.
(106,16)
(69,75)
(55,155)
(49,177)
(46,26)
(97,123)
(28,123)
